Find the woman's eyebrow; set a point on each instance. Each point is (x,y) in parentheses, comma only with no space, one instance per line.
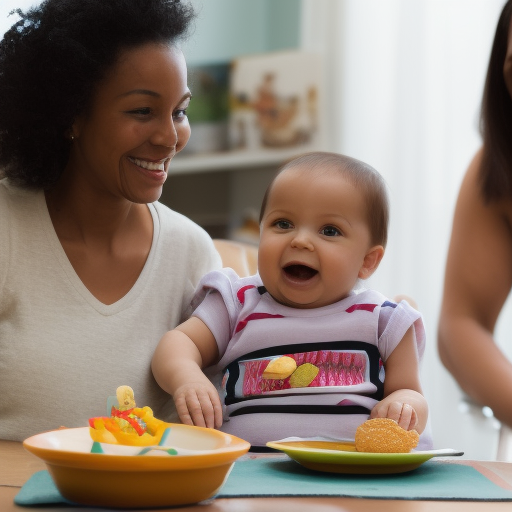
(149,92)
(146,92)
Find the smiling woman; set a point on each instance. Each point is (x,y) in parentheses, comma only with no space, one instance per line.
(93,269)
(135,124)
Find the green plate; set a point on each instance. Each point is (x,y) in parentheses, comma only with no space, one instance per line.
(342,457)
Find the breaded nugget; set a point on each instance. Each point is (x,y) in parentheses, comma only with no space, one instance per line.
(384,435)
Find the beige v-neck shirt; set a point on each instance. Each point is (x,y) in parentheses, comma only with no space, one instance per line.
(63,352)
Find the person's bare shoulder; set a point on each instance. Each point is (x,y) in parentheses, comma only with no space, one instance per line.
(478,272)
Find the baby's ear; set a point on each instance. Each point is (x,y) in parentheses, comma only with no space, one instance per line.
(371,262)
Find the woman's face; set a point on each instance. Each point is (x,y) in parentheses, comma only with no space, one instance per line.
(136,122)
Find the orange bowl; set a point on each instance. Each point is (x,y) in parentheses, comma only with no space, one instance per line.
(191,466)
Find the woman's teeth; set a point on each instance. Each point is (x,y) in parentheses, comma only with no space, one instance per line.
(150,166)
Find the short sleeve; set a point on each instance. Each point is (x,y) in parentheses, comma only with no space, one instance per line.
(394,322)
(216,304)
(213,312)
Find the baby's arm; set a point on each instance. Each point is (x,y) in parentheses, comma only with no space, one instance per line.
(177,366)
(403,399)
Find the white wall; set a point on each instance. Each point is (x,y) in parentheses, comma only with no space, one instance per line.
(6,6)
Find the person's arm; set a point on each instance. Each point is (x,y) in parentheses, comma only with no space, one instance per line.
(478,280)
(403,399)
(177,367)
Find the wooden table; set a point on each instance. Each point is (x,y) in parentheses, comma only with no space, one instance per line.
(17,465)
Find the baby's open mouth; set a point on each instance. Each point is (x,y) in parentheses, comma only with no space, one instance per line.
(301,272)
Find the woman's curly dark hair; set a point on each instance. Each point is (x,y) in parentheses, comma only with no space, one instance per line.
(50,62)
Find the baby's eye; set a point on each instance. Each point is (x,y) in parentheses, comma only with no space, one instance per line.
(330,231)
(283,224)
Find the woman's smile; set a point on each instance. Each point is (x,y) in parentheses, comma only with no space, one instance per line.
(159,165)
(155,170)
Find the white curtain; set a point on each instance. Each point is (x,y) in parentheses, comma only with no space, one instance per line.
(403,84)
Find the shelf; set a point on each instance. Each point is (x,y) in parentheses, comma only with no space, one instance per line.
(233,160)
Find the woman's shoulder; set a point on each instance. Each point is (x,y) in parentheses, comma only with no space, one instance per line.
(172,217)
(471,182)
(472,186)
(15,200)
(182,241)
(473,208)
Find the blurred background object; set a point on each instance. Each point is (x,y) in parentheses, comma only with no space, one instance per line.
(209,113)
(274,104)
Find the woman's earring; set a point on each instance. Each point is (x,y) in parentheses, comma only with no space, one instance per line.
(72,138)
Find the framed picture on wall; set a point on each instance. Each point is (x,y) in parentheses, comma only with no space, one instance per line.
(275,101)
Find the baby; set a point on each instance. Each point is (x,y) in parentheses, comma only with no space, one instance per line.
(295,350)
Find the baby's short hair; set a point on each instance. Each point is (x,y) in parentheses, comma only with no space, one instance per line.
(364,177)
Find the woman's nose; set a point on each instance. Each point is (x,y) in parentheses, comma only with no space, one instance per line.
(172,134)
(165,134)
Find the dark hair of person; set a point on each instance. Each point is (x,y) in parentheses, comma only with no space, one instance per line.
(496,118)
(50,63)
(361,175)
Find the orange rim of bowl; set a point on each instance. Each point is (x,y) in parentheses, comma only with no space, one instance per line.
(87,460)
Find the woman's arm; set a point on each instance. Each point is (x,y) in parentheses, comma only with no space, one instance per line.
(403,399)
(177,367)
(477,283)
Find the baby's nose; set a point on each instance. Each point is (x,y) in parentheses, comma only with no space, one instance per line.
(303,240)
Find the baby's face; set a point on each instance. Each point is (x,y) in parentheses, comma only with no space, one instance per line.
(314,238)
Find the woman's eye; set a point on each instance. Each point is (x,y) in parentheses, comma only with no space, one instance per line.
(145,111)
(330,231)
(283,224)
(180,114)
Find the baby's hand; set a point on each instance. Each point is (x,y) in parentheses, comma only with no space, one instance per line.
(198,404)
(404,414)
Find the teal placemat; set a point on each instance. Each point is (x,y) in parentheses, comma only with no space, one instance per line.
(434,480)
(39,490)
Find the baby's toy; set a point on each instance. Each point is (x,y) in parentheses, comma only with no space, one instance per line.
(127,424)
(384,435)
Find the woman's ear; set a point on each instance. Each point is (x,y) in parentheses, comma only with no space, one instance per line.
(371,261)
(76,127)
